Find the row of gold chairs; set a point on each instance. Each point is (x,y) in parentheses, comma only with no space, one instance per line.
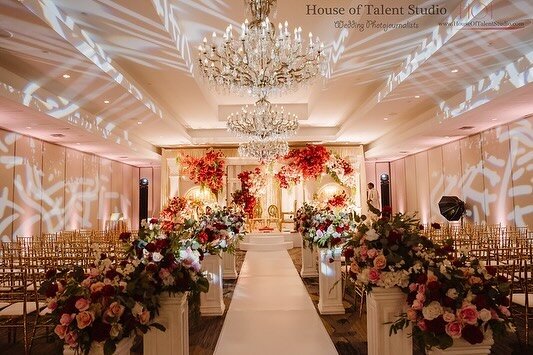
(23,265)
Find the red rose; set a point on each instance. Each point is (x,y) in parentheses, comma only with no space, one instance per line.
(203,237)
(150,247)
(348,253)
(108,291)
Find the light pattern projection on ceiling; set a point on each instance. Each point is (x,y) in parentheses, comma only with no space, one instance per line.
(37,197)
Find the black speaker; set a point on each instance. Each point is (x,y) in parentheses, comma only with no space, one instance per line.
(143,200)
(385,190)
(451,208)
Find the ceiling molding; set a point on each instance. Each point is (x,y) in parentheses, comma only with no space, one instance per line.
(512,76)
(66,27)
(431,44)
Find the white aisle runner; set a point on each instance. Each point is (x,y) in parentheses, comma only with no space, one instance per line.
(271,312)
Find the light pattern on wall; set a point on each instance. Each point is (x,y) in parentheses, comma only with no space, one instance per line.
(45,188)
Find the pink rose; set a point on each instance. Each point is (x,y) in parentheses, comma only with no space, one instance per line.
(60,331)
(380,262)
(115,310)
(372,253)
(505,311)
(97,286)
(363,252)
(417,305)
(453,329)
(411,314)
(52,304)
(94,272)
(448,317)
(431,277)
(474,280)
(468,314)
(412,287)
(421,288)
(422,325)
(66,319)
(82,304)
(84,319)
(374,275)
(71,338)
(421,297)
(60,287)
(494,314)
(164,273)
(354,268)
(86,282)
(144,317)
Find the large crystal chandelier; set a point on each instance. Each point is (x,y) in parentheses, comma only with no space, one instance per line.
(260,60)
(264,151)
(263,121)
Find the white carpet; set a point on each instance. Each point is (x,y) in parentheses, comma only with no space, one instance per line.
(271,312)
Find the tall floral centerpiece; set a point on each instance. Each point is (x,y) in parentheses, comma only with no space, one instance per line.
(207,171)
(99,311)
(385,252)
(456,302)
(253,184)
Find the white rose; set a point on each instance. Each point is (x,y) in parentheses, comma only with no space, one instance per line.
(371,235)
(116,328)
(157,257)
(449,317)
(484,315)
(432,311)
(452,293)
(137,309)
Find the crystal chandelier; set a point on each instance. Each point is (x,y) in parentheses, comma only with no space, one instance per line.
(265,151)
(262,121)
(260,61)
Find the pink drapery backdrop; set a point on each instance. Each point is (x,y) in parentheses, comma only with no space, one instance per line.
(45,188)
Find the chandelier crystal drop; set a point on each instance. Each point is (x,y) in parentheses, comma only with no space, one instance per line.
(264,151)
(258,60)
(262,121)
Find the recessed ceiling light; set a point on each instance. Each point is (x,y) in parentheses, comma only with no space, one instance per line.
(66,76)
(139,122)
(417,96)
(385,118)
(403,152)
(454,70)
(494,119)
(106,101)
(447,137)
(123,157)
(78,143)
(57,135)
(28,127)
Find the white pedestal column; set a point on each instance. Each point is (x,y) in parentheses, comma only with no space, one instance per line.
(212,303)
(330,282)
(309,262)
(229,271)
(174,316)
(384,305)
(462,347)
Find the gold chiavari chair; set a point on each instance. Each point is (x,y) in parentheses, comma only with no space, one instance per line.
(522,295)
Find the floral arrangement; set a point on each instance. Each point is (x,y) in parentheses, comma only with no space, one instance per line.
(338,201)
(207,170)
(324,227)
(455,299)
(387,250)
(254,181)
(341,171)
(245,200)
(171,261)
(175,215)
(310,160)
(219,230)
(103,306)
(287,176)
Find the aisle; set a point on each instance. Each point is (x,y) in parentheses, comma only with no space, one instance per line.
(271,312)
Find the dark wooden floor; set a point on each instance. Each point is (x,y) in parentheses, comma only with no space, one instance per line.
(348,331)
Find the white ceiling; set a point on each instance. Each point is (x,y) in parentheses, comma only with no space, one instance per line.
(393,91)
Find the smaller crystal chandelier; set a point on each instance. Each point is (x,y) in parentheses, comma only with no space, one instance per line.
(265,151)
(263,121)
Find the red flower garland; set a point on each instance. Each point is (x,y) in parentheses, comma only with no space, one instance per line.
(310,160)
(338,200)
(207,170)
